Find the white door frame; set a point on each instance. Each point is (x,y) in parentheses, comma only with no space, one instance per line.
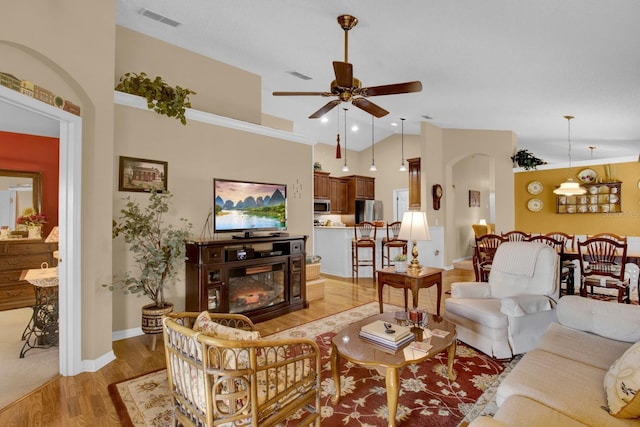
(69,216)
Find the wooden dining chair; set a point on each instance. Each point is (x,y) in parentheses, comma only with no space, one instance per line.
(484,252)
(621,239)
(392,241)
(364,238)
(602,264)
(516,236)
(568,240)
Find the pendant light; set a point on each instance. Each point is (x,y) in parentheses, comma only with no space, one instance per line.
(338,149)
(569,187)
(373,167)
(345,168)
(403,167)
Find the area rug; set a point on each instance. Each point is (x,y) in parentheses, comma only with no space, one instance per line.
(427,396)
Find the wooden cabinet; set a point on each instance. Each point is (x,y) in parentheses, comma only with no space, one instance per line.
(321,186)
(339,195)
(362,187)
(414,183)
(15,257)
(259,277)
(605,197)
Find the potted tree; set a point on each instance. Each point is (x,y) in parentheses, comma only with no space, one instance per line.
(158,250)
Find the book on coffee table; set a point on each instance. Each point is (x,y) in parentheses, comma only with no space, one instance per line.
(390,333)
(381,343)
(390,336)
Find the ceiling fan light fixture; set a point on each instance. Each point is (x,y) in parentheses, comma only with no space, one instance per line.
(569,187)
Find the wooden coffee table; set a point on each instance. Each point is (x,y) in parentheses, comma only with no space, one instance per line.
(348,345)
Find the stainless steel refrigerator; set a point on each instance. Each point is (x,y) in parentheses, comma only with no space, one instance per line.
(369,210)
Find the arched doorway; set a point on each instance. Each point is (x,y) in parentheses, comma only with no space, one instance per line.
(69,270)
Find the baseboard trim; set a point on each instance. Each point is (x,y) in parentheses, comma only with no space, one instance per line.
(100,362)
(126,333)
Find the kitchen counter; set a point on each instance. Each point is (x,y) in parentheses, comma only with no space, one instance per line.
(333,244)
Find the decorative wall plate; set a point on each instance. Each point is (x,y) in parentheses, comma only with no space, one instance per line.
(588,176)
(613,198)
(535,187)
(593,190)
(534,205)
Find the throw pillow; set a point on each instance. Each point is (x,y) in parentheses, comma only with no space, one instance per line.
(207,326)
(622,384)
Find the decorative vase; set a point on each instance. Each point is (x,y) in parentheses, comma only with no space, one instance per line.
(35,232)
(401,266)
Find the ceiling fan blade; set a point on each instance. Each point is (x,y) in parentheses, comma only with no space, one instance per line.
(369,107)
(302,94)
(344,73)
(391,89)
(324,110)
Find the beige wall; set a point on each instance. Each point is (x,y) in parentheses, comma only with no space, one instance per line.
(199,152)
(221,89)
(68,47)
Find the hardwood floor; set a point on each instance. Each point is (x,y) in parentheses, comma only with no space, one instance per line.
(83,400)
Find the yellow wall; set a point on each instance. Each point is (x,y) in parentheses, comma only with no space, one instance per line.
(624,223)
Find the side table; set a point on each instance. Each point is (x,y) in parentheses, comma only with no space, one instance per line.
(428,277)
(42,329)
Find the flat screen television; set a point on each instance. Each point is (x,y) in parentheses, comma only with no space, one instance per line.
(246,206)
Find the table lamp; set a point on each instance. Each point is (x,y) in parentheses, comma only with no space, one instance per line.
(414,227)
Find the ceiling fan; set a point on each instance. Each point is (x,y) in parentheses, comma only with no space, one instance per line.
(348,88)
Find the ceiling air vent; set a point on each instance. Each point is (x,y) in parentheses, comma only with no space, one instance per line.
(160,18)
(299,75)
(427,117)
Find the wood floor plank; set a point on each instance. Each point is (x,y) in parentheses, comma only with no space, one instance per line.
(83,400)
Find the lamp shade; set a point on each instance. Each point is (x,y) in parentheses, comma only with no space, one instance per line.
(414,226)
(570,188)
(53,236)
(483,222)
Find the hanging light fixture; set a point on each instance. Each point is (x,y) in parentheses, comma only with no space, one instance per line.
(345,168)
(338,150)
(569,187)
(373,167)
(403,167)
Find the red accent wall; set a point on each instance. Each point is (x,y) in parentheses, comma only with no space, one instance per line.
(35,154)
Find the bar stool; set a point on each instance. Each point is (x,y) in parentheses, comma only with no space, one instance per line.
(392,241)
(364,238)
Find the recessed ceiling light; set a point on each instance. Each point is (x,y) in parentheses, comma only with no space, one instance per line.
(394,124)
(324,120)
(354,128)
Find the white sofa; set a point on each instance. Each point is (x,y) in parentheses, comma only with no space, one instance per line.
(507,315)
(562,381)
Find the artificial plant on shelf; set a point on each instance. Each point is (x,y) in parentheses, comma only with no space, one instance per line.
(526,160)
(161,97)
(158,248)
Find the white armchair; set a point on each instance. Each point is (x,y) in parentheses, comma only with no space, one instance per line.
(507,315)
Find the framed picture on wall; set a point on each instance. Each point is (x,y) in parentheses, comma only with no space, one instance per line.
(474,199)
(142,175)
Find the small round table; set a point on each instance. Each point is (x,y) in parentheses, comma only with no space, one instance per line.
(348,345)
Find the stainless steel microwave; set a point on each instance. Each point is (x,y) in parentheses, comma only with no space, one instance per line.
(320,206)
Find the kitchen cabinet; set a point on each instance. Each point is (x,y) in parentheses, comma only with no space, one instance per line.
(414,183)
(321,185)
(339,195)
(362,187)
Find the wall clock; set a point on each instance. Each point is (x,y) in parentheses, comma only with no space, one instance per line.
(436,193)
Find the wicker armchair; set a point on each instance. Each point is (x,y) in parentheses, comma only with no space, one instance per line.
(248,381)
